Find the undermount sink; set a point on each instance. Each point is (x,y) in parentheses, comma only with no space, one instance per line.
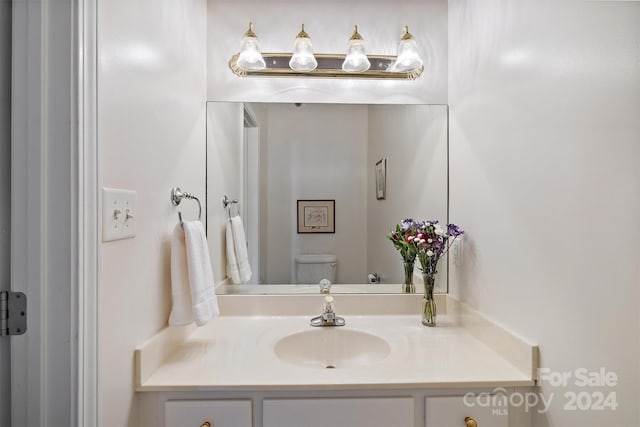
(332,347)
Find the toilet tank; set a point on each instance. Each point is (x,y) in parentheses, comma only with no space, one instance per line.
(310,269)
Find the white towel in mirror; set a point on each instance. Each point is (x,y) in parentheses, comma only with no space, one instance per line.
(233,272)
(238,268)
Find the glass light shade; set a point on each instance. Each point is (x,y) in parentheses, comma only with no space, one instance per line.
(356,60)
(250,57)
(303,58)
(408,58)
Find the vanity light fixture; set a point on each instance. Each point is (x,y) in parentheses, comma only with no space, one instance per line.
(407,65)
(302,58)
(250,57)
(408,58)
(356,60)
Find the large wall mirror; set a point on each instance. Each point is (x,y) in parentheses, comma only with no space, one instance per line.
(365,167)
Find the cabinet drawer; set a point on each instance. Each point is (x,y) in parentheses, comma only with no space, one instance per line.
(218,413)
(345,412)
(451,411)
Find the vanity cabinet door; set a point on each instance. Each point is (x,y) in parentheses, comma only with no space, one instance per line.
(344,412)
(451,411)
(218,413)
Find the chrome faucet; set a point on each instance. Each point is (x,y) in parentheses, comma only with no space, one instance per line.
(328,316)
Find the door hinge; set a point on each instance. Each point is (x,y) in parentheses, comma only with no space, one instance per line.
(13,313)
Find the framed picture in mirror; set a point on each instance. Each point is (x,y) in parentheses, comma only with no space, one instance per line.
(381,179)
(316,216)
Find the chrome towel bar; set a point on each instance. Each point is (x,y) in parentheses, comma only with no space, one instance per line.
(176,197)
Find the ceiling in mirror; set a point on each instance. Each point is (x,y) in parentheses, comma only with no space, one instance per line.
(314,196)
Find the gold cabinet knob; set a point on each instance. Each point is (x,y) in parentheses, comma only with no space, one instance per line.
(470,422)
(206,424)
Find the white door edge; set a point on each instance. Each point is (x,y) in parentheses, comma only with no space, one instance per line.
(88,209)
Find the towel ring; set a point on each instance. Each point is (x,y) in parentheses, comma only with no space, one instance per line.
(227,202)
(176,197)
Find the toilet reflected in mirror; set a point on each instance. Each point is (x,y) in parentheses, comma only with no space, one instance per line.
(312,268)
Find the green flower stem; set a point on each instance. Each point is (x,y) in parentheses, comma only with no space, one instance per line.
(408,287)
(428,303)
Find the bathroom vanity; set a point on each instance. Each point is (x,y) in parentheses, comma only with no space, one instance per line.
(261,364)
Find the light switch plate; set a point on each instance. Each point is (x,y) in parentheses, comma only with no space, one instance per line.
(119,214)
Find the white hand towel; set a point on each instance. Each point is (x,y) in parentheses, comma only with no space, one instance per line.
(181,311)
(203,296)
(194,296)
(232,262)
(240,243)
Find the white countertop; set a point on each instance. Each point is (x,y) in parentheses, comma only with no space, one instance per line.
(236,352)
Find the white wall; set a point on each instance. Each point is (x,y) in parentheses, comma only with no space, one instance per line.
(225,176)
(329,24)
(545,179)
(151,137)
(308,159)
(413,139)
(544,140)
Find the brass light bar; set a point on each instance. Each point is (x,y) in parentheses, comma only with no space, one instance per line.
(329,65)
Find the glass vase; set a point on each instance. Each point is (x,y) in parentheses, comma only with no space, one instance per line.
(408,287)
(428,303)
